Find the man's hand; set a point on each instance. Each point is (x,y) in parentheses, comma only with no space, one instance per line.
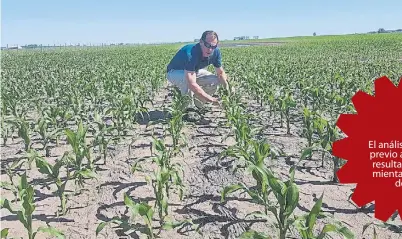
(222,75)
(195,88)
(215,101)
(223,78)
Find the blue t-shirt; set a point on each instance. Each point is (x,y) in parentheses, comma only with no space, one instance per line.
(190,58)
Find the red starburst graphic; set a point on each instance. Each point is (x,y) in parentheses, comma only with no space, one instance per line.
(373,148)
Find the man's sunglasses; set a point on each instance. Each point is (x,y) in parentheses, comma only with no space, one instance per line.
(209,46)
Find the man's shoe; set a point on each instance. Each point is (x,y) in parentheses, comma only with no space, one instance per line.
(192,117)
(191,109)
(203,110)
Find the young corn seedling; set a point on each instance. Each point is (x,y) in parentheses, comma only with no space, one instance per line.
(147,212)
(12,103)
(287,102)
(287,197)
(7,127)
(230,100)
(12,186)
(238,120)
(42,127)
(175,123)
(333,135)
(102,135)
(308,125)
(123,110)
(253,158)
(24,131)
(81,151)
(166,176)
(241,129)
(269,97)
(389,225)
(11,172)
(136,209)
(320,124)
(52,172)
(305,225)
(27,209)
(315,94)
(143,96)
(56,117)
(286,193)
(76,103)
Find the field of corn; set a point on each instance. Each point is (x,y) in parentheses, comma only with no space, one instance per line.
(94,145)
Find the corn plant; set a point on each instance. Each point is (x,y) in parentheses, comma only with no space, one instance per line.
(175,123)
(308,125)
(12,103)
(102,135)
(383,225)
(7,127)
(42,127)
(11,185)
(253,159)
(26,210)
(305,224)
(52,172)
(286,194)
(4,233)
(238,120)
(287,103)
(320,124)
(124,107)
(81,150)
(17,164)
(333,135)
(166,176)
(24,131)
(136,209)
(146,212)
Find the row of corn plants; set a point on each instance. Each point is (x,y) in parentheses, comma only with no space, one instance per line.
(312,88)
(56,99)
(167,175)
(278,197)
(313,81)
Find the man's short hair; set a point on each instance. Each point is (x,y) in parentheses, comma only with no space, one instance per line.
(209,32)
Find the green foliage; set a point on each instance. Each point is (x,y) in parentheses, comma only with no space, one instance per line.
(25,211)
(93,97)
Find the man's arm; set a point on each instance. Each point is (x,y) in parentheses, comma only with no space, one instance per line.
(194,87)
(222,76)
(221,73)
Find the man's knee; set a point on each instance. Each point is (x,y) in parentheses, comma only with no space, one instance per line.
(177,79)
(209,80)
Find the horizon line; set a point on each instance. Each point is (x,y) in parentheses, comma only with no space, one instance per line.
(189,41)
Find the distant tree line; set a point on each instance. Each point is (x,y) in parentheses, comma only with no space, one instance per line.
(380,30)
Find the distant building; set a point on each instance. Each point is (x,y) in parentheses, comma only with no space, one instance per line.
(241,38)
(382,30)
(14,47)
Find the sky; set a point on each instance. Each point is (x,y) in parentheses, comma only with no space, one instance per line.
(122,21)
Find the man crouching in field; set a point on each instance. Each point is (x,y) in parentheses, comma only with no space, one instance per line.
(186,71)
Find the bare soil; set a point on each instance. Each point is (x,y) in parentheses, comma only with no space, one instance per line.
(204,178)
